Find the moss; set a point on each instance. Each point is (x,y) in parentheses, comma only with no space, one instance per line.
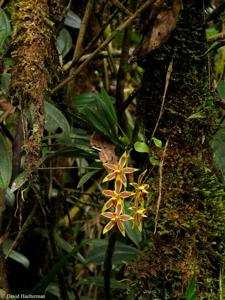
(32,39)
(189,238)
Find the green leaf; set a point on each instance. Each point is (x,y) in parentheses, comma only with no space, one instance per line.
(98,112)
(64,42)
(5,28)
(5,82)
(218,146)
(191,290)
(157,142)
(221,89)
(198,115)
(53,289)
(133,233)
(141,147)
(72,20)
(19,181)
(85,178)
(55,119)
(50,276)
(122,253)
(9,198)
(6,163)
(154,160)
(17,256)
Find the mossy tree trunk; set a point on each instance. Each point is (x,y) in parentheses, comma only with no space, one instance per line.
(188,239)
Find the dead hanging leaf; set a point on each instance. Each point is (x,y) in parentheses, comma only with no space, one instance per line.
(105,148)
(161,29)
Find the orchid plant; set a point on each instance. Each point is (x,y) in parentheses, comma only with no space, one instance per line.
(114,208)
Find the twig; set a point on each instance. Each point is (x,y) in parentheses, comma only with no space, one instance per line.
(83,28)
(68,65)
(168,75)
(121,7)
(23,229)
(128,101)
(104,44)
(216,37)
(160,184)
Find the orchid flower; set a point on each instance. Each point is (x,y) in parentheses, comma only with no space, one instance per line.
(117,218)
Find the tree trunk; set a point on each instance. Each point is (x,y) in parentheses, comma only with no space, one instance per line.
(189,223)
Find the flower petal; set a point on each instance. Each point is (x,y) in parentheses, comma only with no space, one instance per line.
(108,193)
(125,194)
(141,176)
(129,170)
(123,179)
(126,218)
(109,203)
(108,227)
(109,177)
(121,227)
(108,214)
(123,160)
(119,209)
(110,166)
(118,185)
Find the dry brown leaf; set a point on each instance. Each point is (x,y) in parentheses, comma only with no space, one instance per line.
(106,149)
(164,24)
(5,105)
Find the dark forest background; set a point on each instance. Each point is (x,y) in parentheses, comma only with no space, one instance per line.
(91,91)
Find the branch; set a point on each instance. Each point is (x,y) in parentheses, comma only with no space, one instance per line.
(160,184)
(104,44)
(168,75)
(83,29)
(217,37)
(68,65)
(121,7)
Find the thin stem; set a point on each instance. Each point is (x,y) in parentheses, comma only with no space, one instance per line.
(108,264)
(83,29)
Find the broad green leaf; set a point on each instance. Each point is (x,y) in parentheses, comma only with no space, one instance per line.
(99,281)
(108,104)
(157,142)
(5,28)
(133,233)
(221,89)
(154,160)
(191,290)
(122,253)
(141,147)
(17,256)
(18,182)
(50,276)
(9,198)
(218,146)
(86,177)
(198,115)
(72,20)
(55,119)
(6,163)
(99,114)
(64,42)
(53,289)
(5,82)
